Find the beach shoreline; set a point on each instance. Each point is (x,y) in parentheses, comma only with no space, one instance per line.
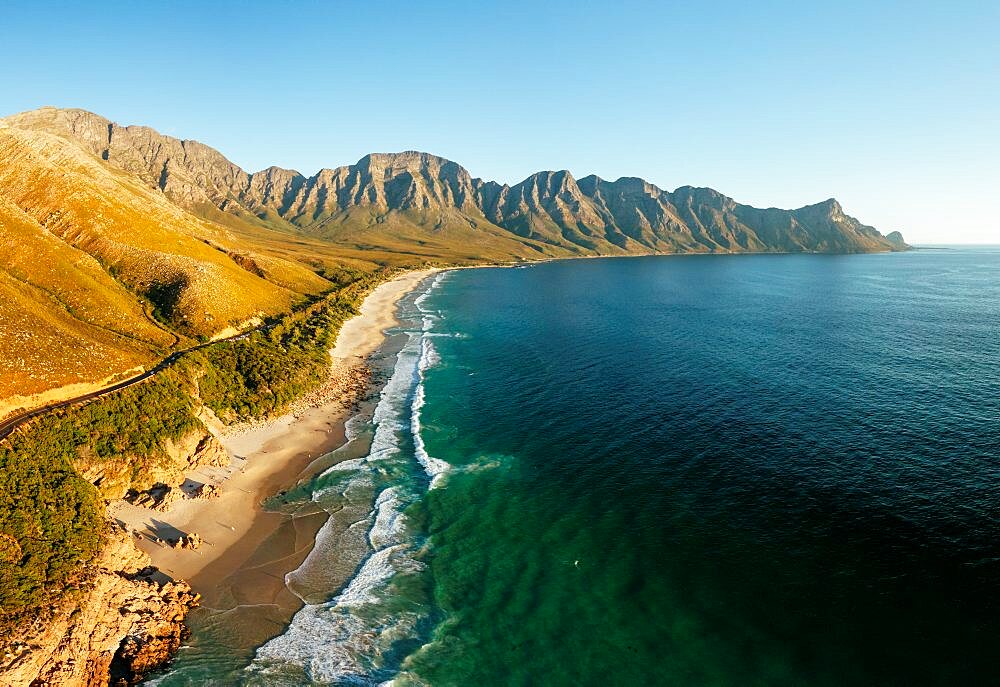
(246,549)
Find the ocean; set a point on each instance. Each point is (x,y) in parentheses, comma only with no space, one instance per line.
(671,470)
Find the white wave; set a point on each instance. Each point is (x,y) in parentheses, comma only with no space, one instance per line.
(429,357)
(352,428)
(435,282)
(344,639)
(434,467)
(351,465)
(336,641)
(405,679)
(334,536)
(389,520)
(385,442)
(376,569)
(331,645)
(419,300)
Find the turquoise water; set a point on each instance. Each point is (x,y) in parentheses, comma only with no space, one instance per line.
(698,470)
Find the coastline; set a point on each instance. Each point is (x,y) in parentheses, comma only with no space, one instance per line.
(246,550)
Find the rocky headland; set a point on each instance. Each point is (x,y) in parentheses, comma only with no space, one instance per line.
(124,620)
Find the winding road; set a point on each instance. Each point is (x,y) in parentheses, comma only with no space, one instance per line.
(8,425)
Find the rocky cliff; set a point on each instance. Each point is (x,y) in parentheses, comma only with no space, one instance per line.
(126,620)
(409,197)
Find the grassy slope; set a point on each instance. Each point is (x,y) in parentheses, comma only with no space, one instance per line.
(87,251)
(89,255)
(142,239)
(65,319)
(411,236)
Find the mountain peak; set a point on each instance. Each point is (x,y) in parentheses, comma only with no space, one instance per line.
(828,209)
(896,239)
(833,206)
(407,159)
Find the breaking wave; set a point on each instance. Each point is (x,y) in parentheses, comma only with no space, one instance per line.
(361,635)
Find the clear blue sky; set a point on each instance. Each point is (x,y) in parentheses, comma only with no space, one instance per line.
(891,107)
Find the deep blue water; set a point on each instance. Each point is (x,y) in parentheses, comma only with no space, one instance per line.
(691,470)
(766,470)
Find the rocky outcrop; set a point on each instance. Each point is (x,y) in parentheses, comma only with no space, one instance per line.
(128,619)
(198,449)
(159,497)
(155,486)
(186,541)
(187,171)
(411,193)
(896,238)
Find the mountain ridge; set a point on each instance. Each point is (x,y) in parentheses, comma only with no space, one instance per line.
(402,194)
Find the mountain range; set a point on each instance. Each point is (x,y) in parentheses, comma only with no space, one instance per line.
(118,243)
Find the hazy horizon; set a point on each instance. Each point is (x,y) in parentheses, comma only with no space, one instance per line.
(892,110)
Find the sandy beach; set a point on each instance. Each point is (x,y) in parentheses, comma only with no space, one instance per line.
(245,550)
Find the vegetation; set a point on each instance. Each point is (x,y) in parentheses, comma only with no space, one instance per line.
(121,437)
(262,374)
(51,518)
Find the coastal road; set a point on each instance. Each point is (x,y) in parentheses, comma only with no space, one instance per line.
(10,424)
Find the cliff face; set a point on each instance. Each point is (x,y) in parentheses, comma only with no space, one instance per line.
(410,195)
(897,239)
(126,621)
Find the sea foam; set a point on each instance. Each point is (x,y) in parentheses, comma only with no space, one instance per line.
(434,467)
(344,639)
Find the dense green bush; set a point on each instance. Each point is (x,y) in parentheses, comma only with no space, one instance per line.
(135,420)
(54,516)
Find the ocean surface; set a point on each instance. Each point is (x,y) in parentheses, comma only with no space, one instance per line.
(687,470)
